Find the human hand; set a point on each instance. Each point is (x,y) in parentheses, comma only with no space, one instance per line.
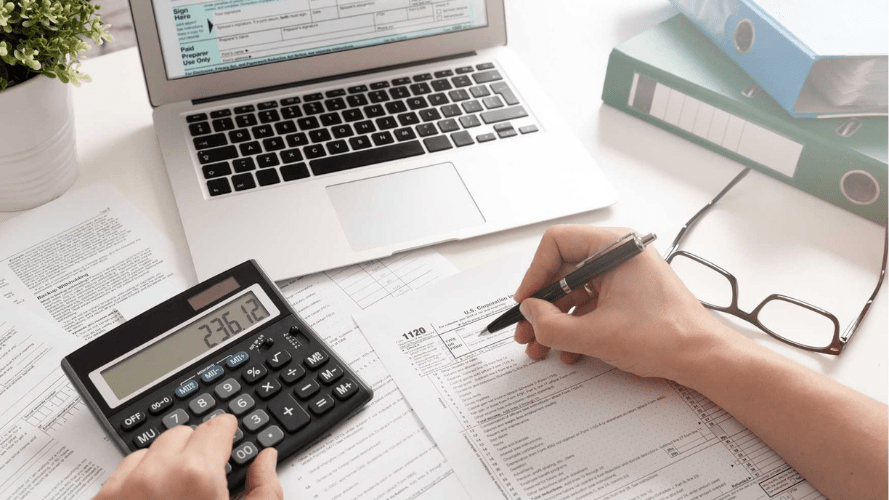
(638,317)
(185,463)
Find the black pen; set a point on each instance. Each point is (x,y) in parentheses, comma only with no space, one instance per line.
(592,267)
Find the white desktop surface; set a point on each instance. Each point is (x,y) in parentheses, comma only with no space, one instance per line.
(774,238)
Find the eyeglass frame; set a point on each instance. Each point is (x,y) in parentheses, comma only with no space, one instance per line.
(837,344)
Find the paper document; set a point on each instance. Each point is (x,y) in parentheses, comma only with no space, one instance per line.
(78,259)
(383,451)
(515,428)
(50,444)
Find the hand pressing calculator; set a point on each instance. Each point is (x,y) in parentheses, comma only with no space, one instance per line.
(229,345)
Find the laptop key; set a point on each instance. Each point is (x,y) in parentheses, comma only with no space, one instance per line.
(417,103)
(447,126)
(210,141)
(335,104)
(443,73)
(297,140)
(246,120)
(320,135)
(307,123)
(438,99)
(314,151)
(461,81)
(469,121)
(366,157)
(216,170)
(331,119)
(269,116)
(438,143)
(427,129)
(199,117)
(365,127)
(273,144)
(441,85)
(335,93)
(240,110)
(485,138)
(267,160)
(357,100)
(422,77)
(217,187)
(507,132)
(243,165)
(379,85)
(267,177)
(285,127)
(428,115)
(462,138)
(337,147)
(399,93)
(405,134)
(220,113)
(503,114)
(291,156)
(458,95)
(249,148)
(378,96)
(217,154)
(351,115)
(484,66)
(243,182)
(373,111)
(294,171)
(451,110)
(479,91)
(528,129)
(263,131)
(239,135)
(223,124)
(401,81)
(464,69)
(420,89)
(291,112)
(317,96)
(505,92)
(358,89)
(493,102)
(360,142)
(342,131)
(395,107)
(406,119)
(267,105)
(382,138)
(313,108)
(386,122)
(290,101)
(487,76)
(472,107)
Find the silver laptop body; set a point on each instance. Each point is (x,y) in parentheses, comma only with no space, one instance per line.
(317,178)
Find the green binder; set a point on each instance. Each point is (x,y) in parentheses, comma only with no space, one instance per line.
(676,78)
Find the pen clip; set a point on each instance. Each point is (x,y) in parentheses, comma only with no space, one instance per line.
(626,237)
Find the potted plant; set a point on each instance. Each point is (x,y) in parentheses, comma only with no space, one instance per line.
(40,45)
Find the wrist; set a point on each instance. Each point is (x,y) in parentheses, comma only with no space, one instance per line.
(707,345)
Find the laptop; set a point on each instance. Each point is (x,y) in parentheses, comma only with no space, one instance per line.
(314,134)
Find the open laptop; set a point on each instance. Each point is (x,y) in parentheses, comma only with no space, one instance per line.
(312,134)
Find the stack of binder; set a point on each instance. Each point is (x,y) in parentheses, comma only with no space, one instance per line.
(729,75)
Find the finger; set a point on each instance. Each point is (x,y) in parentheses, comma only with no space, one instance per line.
(212,440)
(172,441)
(112,486)
(524,333)
(262,481)
(569,358)
(536,350)
(565,332)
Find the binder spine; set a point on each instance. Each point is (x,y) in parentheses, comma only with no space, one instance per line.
(792,155)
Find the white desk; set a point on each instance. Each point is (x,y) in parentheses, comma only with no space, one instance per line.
(773,238)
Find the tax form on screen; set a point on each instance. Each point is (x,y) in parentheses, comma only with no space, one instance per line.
(201,36)
(515,428)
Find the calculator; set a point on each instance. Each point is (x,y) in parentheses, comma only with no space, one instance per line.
(231,344)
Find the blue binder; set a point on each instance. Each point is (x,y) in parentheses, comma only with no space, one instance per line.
(811,56)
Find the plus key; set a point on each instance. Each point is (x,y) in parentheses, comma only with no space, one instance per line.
(286,411)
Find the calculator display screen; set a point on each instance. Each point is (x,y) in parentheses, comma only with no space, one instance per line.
(183,346)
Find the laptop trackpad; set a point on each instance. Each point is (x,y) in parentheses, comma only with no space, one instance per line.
(403,206)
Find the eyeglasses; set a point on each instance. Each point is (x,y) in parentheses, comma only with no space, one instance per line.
(787,319)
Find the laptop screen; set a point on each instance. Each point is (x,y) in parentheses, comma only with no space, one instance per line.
(199,37)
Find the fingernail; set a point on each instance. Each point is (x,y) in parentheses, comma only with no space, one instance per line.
(526,311)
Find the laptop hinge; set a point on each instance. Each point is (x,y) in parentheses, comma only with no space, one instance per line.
(303,83)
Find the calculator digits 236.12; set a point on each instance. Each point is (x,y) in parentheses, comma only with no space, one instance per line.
(229,345)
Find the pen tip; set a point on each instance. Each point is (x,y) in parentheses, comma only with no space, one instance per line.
(483,332)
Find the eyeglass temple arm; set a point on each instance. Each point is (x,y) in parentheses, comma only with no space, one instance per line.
(850,330)
(702,211)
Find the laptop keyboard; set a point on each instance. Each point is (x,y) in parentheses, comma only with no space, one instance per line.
(270,142)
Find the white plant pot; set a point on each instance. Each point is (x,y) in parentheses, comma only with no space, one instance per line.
(38,153)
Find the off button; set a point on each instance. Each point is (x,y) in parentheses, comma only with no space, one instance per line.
(133,421)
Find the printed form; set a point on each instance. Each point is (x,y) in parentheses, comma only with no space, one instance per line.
(383,451)
(516,428)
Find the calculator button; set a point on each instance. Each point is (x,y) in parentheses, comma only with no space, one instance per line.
(212,374)
(244,453)
(228,468)
(292,375)
(330,374)
(160,406)
(133,421)
(345,390)
(268,389)
(271,436)
(278,359)
(237,359)
(184,390)
(256,420)
(254,373)
(213,415)
(321,405)
(178,417)
(227,389)
(317,359)
(202,404)
(306,389)
(239,435)
(146,437)
(288,413)
(241,404)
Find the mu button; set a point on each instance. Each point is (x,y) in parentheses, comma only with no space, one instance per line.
(146,438)
(288,412)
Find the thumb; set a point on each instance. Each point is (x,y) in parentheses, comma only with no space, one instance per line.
(262,481)
(552,327)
